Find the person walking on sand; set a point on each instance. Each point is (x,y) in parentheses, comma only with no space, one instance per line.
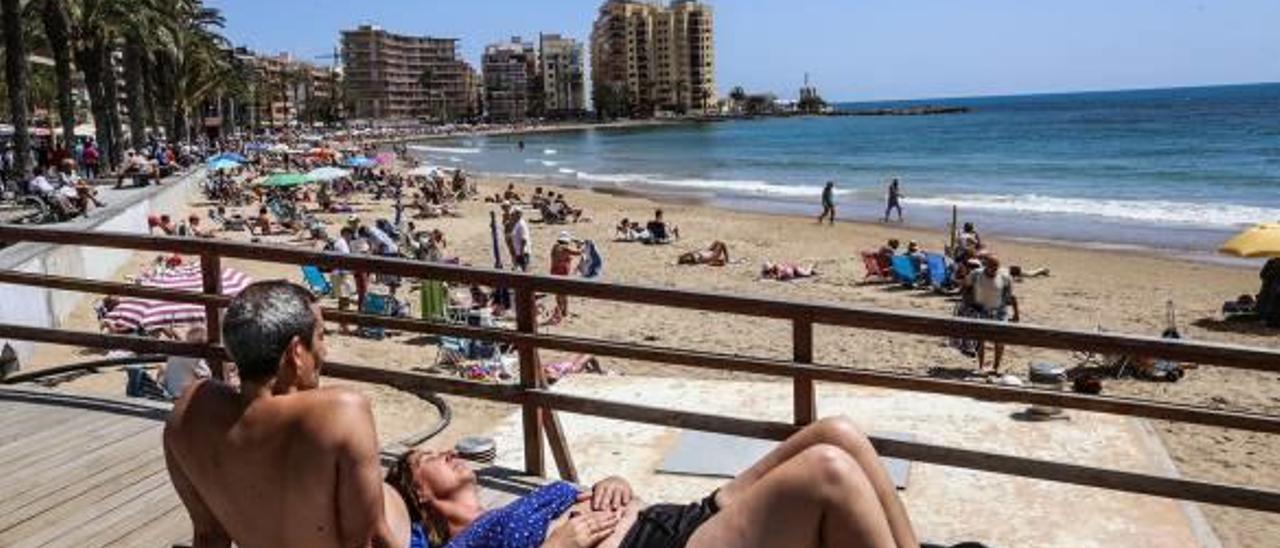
(894,200)
(828,203)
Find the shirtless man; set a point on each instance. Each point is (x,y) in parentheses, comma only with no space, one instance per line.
(280,462)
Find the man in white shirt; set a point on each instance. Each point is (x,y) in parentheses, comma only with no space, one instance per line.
(520,241)
(340,279)
(990,291)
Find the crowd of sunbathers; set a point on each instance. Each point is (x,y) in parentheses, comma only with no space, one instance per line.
(226,448)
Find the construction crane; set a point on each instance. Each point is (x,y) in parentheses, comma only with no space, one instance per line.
(335,57)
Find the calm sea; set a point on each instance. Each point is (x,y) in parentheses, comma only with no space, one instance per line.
(1174,168)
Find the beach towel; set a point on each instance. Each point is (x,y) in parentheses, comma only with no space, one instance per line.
(434,297)
(592,263)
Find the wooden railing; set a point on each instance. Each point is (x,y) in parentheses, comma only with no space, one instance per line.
(539,404)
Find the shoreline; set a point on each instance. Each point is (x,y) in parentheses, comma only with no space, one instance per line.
(676,198)
(536,130)
(857,200)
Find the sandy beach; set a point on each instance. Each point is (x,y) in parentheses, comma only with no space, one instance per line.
(1119,291)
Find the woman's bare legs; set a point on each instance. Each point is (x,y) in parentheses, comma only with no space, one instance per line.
(818,498)
(842,433)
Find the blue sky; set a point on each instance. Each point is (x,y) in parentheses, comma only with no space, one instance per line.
(859,49)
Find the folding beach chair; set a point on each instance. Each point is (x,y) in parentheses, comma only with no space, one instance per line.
(904,271)
(939,273)
(378,305)
(316,281)
(876,272)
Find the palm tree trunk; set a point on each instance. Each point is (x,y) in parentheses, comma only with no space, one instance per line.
(111,102)
(16,75)
(133,81)
(57,30)
(90,65)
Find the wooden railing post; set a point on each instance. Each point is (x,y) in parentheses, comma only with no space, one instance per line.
(527,323)
(806,409)
(211,272)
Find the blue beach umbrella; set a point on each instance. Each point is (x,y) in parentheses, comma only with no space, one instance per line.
(223,164)
(360,161)
(233,156)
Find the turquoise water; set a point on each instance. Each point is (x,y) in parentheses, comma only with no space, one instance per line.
(1174,168)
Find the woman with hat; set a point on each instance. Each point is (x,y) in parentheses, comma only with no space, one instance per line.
(562,255)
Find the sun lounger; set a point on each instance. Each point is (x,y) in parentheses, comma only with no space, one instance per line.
(905,271)
(316,281)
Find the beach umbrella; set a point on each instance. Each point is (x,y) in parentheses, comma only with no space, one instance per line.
(386,158)
(222,164)
(360,161)
(285,180)
(328,174)
(134,314)
(234,157)
(1260,242)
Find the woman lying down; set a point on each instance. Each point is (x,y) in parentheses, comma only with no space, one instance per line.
(823,487)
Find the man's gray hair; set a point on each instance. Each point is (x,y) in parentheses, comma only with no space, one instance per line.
(261,322)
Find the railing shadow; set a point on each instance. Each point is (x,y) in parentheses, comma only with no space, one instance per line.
(156,412)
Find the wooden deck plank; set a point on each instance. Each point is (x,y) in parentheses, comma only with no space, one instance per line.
(16,419)
(43,528)
(55,433)
(27,423)
(124,517)
(50,454)
(82,472)
(161,532)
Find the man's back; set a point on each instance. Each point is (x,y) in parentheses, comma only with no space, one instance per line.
(267,473)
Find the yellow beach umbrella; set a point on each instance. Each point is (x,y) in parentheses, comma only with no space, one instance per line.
(1261,241)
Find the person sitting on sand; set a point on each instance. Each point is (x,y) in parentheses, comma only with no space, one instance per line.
(784,271)
(887,251)
(822,487)
(262,223)
(989,293)
(511,195)
(630,231)
(717,254)
(566,211)
(280,462)
(193,226)
(538,200)
(660,232)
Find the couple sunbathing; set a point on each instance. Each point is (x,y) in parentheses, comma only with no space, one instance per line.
(282,463)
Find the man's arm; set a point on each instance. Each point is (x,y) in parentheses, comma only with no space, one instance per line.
(207,530)
(360,498)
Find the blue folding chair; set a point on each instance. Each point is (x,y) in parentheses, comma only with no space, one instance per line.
(316,281)
(904,271)
(377,305)
(939,274)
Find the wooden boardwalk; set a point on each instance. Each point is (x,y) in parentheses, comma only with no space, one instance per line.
(81,471)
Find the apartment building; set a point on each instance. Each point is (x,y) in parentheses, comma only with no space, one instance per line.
(510,73)
(561,65)
(392,76)
(649,58)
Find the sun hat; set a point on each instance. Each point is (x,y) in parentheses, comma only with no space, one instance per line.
(565,238)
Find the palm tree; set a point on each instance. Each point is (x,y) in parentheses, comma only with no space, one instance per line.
(15,64)
(57,31)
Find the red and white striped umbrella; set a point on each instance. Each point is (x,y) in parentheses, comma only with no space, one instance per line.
(133,314)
